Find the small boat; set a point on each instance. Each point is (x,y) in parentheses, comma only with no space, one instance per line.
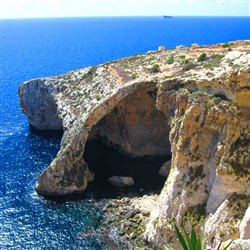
(167,17)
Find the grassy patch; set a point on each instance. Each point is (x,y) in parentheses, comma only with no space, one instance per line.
(186,61)
(125,64)
(202,57)
(207,65)
(133,76)
(195,215)
(90,74)
(155,68)
(149,60)
(225,45)
(210,73)
(170,60)
(217,56)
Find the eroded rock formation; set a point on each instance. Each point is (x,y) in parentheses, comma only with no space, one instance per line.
(197,109)
(135,126)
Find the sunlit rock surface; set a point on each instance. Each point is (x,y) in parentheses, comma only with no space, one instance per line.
(198,110)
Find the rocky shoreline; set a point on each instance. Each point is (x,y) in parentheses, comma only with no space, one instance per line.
(123,221)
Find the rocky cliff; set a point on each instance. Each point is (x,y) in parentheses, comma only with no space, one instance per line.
(191,103)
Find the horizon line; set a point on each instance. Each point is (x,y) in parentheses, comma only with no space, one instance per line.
(105,16)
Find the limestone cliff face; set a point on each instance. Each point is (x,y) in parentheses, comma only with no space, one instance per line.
(196,109)
(38,105)
(210,166)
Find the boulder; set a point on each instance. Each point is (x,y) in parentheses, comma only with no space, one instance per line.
(121,181)
(180,47)
(165,168)
(245,225)
(240,244)
(161,48)
(194,45)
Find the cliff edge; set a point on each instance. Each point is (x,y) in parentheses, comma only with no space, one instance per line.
(191,103)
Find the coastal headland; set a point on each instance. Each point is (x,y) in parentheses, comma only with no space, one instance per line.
(190,105)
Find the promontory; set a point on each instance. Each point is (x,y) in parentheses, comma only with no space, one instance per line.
(192,103)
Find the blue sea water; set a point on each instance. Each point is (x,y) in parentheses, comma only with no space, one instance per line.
(33,48)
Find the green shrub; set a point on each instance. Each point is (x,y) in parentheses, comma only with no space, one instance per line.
(152,58)
(90,74)
(125,64)
(214,61)
(133,76)
(155,68)
(191,241)
(225,45)
(186,61)
(207,65)
(189,65)
(217,56)
(170,60)
(202,57)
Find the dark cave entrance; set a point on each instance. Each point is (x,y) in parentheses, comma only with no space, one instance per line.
(106,161)
(132,140)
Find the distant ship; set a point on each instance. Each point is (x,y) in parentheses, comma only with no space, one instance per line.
(167,17)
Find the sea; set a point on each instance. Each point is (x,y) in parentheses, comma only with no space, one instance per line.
(31,48)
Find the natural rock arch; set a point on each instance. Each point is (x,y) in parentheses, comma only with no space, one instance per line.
(69,173)
(135,126)
(136,136)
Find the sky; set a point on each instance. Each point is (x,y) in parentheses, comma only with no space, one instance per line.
(74,8)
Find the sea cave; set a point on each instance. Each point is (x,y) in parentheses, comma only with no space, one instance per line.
(132,140)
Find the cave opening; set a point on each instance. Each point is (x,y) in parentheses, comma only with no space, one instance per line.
(131,141)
